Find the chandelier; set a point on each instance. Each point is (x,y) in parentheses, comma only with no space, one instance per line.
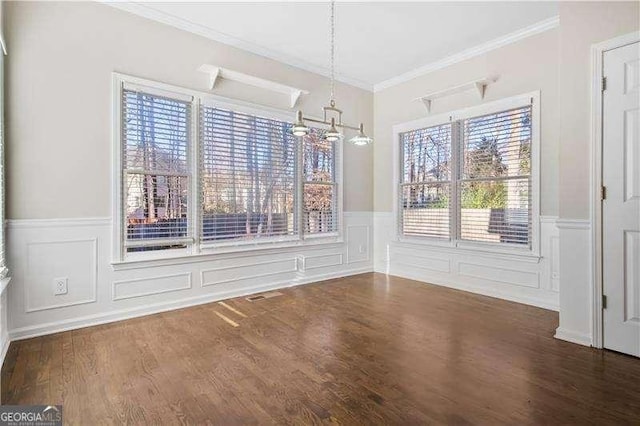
(332,116)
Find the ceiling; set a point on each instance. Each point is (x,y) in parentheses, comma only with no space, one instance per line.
(376,42)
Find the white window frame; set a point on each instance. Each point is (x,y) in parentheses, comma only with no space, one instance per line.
(195,248)
(337,187)
(531,98)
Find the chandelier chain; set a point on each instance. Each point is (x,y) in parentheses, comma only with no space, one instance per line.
(332,114)
(332,18)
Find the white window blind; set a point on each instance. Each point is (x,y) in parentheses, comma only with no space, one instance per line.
(248,177)
(495,184)
(469,180)
(425,189)
(156,174)
(320,205)
(198,174)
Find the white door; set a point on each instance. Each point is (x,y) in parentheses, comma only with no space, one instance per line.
(621,207)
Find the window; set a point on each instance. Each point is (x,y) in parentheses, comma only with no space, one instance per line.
(494,186)
(248,176)
(156,174)
(426,181)
(470,178)
(198,173)
(319,187)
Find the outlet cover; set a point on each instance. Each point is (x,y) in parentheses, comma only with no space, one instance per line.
(60,286)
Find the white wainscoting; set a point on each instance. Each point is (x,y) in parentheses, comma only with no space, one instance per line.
(4,325)
(80,250)
(576,297)
(534,281)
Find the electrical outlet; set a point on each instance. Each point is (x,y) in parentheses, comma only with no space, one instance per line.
(362,248)
(60,286)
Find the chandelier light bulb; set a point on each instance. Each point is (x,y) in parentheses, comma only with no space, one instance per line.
(299,128)
(332,135)
(361,138)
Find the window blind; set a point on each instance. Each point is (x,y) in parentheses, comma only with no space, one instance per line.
(425,188)
(320,205)
(248,177)
(495,185)
(156,176)
(469,180)
(243,179)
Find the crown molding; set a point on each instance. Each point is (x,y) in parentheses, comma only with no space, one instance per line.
(201,30)
(513,37)
(145,11)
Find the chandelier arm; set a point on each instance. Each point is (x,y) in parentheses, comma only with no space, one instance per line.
(328,123)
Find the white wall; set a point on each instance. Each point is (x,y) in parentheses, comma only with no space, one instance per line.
(59,96)
(4,326)
(59,145)
(583,24)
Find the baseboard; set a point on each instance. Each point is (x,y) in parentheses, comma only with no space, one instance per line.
(380,267)
(486,292)
(120,315)
(573,337)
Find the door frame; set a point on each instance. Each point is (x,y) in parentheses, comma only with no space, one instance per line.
(597,53)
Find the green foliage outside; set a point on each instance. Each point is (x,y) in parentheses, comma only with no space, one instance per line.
(441,203)
(484,195)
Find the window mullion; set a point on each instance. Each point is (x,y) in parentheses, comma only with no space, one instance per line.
(456,160)
(299,197)
(400,188)
(195,197)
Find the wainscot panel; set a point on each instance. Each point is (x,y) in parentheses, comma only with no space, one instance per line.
(41,251)
(139,287)
(577,320)
(321,261)
(530,280)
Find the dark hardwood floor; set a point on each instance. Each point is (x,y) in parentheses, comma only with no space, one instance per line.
(368,349)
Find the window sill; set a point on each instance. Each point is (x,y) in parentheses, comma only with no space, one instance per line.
(472,249)
(211,253)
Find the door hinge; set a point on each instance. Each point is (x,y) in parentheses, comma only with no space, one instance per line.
(603,192)
(604,83)
(604,302)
